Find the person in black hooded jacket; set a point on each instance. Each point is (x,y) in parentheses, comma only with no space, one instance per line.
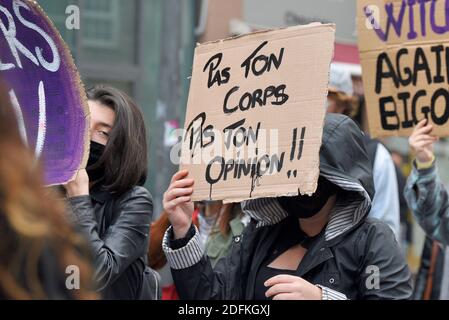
(300,247)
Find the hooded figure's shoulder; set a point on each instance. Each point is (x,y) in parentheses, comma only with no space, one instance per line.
(378,226)
(374,233)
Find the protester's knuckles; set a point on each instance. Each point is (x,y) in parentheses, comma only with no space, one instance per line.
(175,193)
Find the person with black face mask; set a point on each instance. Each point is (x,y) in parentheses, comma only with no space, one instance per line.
(94,170)
(304,206)
(108,203)
(302,247)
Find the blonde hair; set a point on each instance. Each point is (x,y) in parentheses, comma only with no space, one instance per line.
(350,104)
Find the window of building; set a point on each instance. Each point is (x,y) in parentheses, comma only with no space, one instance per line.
(101,24)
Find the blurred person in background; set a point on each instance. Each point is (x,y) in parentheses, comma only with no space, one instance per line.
(405,218)
(217,224)
(425,193)
(385,205)
(428,199)
(432,280)
(108,203)
(206,215)
(227,224)
(37,243)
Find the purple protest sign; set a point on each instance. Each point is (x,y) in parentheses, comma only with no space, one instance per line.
(45,89)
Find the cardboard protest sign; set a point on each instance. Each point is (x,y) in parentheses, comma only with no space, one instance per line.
(405,57)
(45,89)
(255,113)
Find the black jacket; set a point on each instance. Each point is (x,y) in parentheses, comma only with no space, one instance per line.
(117,230)
(350,256)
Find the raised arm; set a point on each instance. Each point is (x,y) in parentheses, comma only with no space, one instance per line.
(425,193)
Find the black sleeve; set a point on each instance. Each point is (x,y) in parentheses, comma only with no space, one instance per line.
(194,276)
(179,243)
(124,241)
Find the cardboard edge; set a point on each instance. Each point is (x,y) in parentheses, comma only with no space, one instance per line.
(260,32)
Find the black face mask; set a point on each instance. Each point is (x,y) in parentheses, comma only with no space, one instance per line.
(304,207)
(96,151)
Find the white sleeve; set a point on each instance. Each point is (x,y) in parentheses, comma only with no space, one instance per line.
(329,294)
(186,256)
(385,206)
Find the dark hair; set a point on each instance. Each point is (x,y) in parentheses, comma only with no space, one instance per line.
(125,155)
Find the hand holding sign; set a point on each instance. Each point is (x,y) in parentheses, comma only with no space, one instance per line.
(79,186)
(178,203)
(421,141)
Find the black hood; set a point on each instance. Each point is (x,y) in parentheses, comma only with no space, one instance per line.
(343,153)
(343,161)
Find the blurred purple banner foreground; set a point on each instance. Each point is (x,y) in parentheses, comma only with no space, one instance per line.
(45,89)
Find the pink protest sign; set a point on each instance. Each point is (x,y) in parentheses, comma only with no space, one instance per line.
(45,89)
